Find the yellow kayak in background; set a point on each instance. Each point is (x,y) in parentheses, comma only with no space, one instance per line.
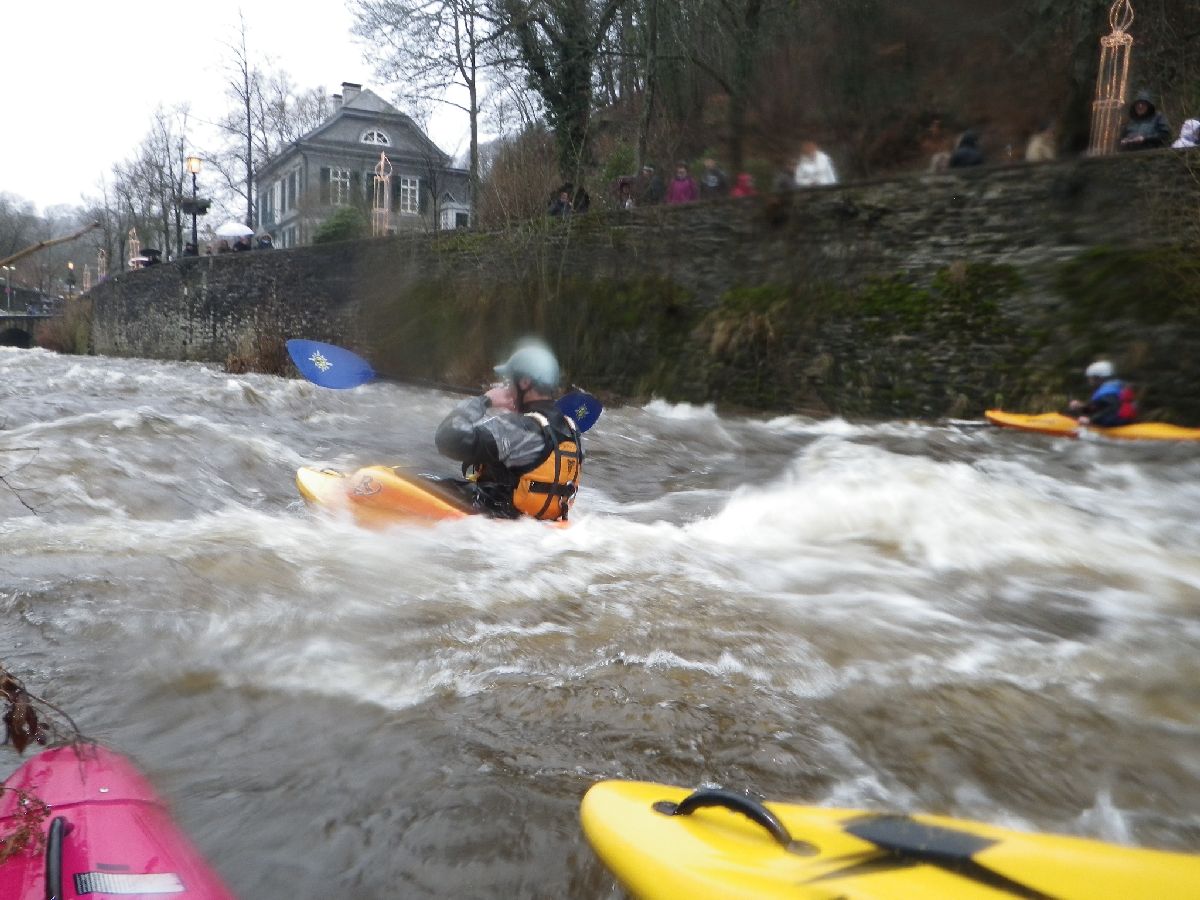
(1065,426)
(378,496)
(668,842)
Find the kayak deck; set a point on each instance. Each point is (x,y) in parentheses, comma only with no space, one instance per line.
(1065,426)
(106,833)
(380,495)
(716,852)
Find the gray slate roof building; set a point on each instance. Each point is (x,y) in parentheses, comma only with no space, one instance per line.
(334,166)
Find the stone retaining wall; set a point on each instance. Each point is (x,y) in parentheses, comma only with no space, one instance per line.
(925,296)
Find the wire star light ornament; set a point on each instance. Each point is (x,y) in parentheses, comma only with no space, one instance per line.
(381,209)
(1112,82)
(135,247)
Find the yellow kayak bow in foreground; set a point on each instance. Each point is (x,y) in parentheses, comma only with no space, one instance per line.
(668,842)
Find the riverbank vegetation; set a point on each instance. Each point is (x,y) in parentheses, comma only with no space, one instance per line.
(588,91)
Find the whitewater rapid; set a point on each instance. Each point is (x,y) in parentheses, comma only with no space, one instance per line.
(914,616)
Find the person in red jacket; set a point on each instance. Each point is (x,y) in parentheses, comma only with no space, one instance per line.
(744,186)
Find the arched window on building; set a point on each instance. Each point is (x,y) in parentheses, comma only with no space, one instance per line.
(375,136)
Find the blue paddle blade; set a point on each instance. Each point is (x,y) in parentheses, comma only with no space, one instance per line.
(328,365)
(582,407)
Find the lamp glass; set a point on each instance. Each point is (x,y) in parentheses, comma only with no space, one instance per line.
(193,164)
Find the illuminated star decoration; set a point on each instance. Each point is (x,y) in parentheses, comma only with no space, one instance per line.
(318,359)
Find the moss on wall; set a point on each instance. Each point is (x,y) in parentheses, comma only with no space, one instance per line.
(1146,285)
(914,297)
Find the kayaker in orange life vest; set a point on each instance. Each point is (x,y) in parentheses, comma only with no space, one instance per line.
(522,454)
(1112,402)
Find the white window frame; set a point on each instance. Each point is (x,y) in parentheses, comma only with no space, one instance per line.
(376,136)
(339,187)
(410,196)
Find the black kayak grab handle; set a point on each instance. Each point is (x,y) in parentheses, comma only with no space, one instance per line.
(54,852)
(735,802)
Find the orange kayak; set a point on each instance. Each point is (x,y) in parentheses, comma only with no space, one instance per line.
(378,496)
(1065,426)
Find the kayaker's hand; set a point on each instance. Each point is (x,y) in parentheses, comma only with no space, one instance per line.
(1075,404)
(501,397)
(1084,420)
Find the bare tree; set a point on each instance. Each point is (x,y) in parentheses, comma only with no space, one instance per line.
(558,42)
(245,90)
(433,47)
(18,222)
(267,112)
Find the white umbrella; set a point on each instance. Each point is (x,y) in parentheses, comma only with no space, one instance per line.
(234,230)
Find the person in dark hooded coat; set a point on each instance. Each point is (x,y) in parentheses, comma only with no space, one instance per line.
(967,153)
(1147,128)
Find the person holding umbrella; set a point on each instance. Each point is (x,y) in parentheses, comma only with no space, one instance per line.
(234,230)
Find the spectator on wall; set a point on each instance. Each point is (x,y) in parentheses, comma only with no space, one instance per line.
(1043,146)
(935,147)
(1189,135)
(967,153)
(713,182)
(625,194)
(649,189)
(265,242)
(743,186)
(683,187)
(783,178)
(1147,128)
(560,206)
(814,167)
(581,202)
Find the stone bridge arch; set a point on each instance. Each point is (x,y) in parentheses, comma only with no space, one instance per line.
(14,336)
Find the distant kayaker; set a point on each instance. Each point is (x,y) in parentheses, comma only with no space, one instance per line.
(1112,403)
(522,454)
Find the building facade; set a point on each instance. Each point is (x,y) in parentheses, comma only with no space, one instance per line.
(334,166)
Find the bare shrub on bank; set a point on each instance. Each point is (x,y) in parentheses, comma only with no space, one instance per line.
(518,185)
(69,333)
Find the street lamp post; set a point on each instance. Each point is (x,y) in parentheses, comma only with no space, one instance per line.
(8,274)
(193,166)
(70,280)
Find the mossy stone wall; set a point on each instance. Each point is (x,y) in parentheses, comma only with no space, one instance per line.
(928,296)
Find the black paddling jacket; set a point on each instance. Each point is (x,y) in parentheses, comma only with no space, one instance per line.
(523,464)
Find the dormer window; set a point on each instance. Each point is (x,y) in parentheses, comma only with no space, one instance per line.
(375,136)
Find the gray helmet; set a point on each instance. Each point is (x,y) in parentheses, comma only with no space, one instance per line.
(1102,368)
(533,361)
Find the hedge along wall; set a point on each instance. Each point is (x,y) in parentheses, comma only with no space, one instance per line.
(929,296)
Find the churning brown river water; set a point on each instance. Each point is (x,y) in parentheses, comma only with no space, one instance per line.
(891,615)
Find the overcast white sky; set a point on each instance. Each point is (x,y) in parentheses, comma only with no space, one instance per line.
(82,78)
